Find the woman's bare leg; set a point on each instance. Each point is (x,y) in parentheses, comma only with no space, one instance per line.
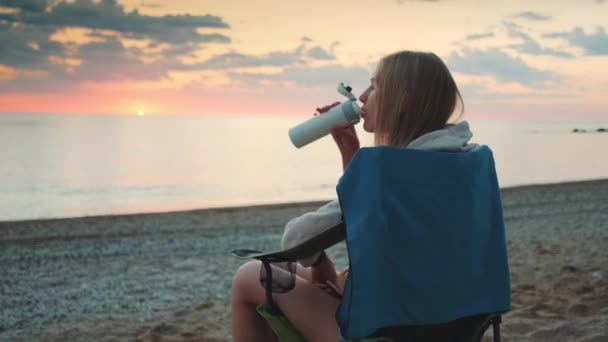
(247,294)
(308,308)
(311,310)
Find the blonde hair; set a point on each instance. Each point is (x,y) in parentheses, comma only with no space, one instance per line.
(416,94)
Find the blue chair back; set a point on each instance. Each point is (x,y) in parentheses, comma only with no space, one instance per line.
(425,238)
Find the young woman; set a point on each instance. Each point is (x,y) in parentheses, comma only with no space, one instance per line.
(409,102)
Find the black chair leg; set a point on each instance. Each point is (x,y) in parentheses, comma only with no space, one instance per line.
(268,284)
(496,326)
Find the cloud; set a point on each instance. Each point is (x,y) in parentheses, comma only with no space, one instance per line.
(327,75)
(231,60)
(27,47)
(319,53)
(237,60)
(108,59)
(530,46)
(44,63)
(593,44)
(109,15)
(104,61)
(404,1)
(172,51)
(125,63)
(503,67)
(511,26)
(533,16)
(478,36)
(27,43)
(25,5)
(151,5)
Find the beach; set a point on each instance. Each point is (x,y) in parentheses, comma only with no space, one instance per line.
(167,276)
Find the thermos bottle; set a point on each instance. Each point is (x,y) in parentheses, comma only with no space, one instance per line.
(347,113)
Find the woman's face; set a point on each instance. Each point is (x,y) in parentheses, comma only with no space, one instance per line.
(369,108)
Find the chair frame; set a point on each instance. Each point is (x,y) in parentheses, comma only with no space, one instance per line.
(320,242)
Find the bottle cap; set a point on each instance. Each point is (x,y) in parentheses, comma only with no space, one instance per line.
(345,90)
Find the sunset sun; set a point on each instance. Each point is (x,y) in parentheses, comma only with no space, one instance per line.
(140,112)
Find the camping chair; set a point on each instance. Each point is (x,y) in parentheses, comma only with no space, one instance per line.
(405,211)
(468,329)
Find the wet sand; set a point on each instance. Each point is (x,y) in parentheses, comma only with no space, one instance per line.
(166,276)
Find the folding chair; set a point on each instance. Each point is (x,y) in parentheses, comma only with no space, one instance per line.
(427,252)
(468,329)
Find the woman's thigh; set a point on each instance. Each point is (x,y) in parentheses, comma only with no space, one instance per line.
(310,309)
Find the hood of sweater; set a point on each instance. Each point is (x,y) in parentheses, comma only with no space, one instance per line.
(452,138)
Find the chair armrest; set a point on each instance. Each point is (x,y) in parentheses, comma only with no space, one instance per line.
(317,243)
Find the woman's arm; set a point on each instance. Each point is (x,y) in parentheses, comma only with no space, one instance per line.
(347,141)
(323,271)
(311,224)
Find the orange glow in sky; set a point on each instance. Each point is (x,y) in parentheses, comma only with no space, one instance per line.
(524,59)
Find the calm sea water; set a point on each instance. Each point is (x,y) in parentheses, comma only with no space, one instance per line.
(70,165)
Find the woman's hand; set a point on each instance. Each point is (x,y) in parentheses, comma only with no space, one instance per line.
(323,272)
(345,137)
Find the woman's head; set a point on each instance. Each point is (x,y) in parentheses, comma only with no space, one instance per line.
(412,93)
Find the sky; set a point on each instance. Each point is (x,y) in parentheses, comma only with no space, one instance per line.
(511,59)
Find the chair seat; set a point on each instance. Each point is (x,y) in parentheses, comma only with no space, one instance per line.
(468,329)
(280,325)
(286,332)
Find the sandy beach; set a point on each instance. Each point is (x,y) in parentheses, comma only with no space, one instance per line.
(167,276)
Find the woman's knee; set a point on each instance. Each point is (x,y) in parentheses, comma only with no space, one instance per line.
(246,277)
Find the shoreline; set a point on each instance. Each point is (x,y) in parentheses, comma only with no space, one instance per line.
(291,204)
(167,276)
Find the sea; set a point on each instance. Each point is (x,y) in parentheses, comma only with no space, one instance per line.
(57,166)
